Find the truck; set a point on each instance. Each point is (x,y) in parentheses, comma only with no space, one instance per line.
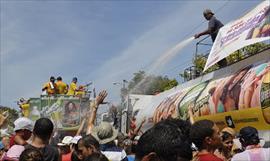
(235,96)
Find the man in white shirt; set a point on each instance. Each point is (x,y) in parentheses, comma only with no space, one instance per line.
(249,139)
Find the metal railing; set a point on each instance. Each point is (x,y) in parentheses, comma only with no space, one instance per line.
(193,72)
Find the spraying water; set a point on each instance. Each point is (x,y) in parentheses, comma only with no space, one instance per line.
(164,58)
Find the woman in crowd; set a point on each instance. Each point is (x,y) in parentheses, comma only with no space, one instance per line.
(225,151)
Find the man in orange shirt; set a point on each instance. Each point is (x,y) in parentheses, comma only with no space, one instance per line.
(50,87)
(61,86)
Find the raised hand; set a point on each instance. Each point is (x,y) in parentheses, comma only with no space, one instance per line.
(101,96)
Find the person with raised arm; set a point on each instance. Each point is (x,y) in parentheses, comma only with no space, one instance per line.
(94,107)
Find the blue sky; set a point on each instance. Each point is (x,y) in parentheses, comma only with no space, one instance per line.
(99,41)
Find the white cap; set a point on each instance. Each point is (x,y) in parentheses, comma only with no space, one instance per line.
(207,11)
(23,123)
(66,141)
(76,139)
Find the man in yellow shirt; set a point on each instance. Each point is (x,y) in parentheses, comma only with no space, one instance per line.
(50,87)
(73,87)
(24,106)
(62,87)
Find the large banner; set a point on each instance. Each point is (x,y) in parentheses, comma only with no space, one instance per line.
(252,28)
(237,100)
(65,111)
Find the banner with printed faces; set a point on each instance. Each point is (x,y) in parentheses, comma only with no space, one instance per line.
(66,112)
(251,28)
(237,100)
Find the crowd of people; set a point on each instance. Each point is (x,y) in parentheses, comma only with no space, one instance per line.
(168,140)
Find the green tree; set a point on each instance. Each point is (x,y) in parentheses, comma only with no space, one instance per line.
(12,114)
(150,84)
(9,121)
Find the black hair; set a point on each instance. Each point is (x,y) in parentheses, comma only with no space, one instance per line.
(88,141)
(225,135)
(52,78)
(199,131)
(59,78)
(249,136)
(74,156)
(43,128)
(250,141)
(168,139)
(96,157)
(31,155)
(74,79)
(74,107)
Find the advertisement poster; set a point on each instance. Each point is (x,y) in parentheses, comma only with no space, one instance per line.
(167,108)
(251,28)
(237,100)
(64,111)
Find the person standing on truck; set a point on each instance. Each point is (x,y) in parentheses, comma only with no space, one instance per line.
(73,87)
(50,87)
(62,87)
(213,28)
(24,106)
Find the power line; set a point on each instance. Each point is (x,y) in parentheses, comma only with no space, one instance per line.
(199,25)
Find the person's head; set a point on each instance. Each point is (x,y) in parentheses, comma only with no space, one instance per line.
(205,135)
(120,139)
(52,79)
(227,140)
(43,129)
(229,130)
(23,127)
(59,78)
(105,133)
(87,145)
(74,79)
(96,157)
(70,106)
(64,145)
(248,136)
(166,141)
(76,155)
(31,155)
(22,99)
(207,13)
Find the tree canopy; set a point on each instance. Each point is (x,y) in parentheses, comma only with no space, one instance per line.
(150,84)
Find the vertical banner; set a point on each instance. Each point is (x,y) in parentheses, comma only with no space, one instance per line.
(252,28)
